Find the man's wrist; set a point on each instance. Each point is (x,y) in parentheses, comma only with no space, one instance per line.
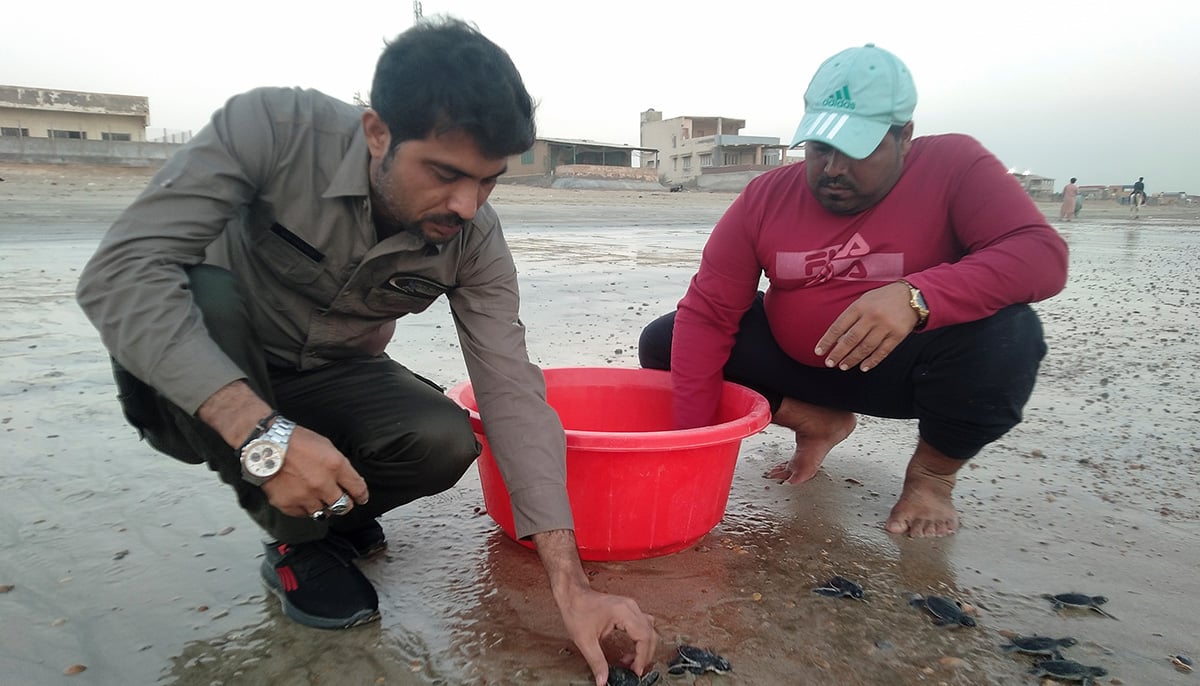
(560,556)
(259,429)
(233,412)
(916,300)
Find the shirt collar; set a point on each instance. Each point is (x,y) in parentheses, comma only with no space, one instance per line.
(351,175)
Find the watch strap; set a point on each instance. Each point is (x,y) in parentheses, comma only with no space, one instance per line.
(259,429)
(916,300)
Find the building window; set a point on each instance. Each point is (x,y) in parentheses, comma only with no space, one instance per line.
(14,131)
(106,136)
(60,133)
(687,163)
(771,159)
(732,158)
(706,159)
(527,157)
(673,141)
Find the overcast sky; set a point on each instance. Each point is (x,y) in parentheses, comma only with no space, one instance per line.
(1106,91)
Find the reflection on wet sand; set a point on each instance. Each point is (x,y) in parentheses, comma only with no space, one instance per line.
(745,591)
(1091,493)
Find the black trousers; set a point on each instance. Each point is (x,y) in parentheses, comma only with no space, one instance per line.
(399,430)
(966,384)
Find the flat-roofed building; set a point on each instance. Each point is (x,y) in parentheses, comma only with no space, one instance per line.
(74,115)
(693,148)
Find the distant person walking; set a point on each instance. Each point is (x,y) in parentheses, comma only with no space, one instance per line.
(1069,208)
(1138,197)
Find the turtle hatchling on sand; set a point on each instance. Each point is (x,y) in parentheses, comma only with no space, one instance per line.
(1039,645)
(1067,670)
(944,610)
(697,661)
(623,676)
(1182,662)
(840,587)
(1078,600)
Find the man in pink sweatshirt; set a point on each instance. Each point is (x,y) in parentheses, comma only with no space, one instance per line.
(900,272)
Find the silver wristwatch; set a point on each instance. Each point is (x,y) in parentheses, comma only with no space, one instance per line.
(262,458)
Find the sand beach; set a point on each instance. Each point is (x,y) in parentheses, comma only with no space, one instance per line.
(121,566)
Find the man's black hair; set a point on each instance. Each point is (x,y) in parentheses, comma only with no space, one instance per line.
(443,75)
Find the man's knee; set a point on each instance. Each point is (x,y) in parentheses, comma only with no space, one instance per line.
(974,389)
(436,454)
(654,346)
(448,449)
(1013,338)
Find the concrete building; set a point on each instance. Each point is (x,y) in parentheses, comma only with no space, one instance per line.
(1038,187)
(47,126)
(707,152)
(72,115)
(566,162)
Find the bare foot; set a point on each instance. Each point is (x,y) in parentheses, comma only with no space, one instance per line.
(926,505)
(817,429)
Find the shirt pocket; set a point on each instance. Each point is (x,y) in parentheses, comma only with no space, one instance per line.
(289,255)
(405,294)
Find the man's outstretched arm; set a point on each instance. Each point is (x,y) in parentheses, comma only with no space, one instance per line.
(589,615)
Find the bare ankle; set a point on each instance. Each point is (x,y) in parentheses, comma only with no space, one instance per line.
(813,421)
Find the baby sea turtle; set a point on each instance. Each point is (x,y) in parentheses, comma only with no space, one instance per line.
(1182,662)
(840,587)
(1039,645)
(944,610)
(1067,670)
(623,676)
(697,661)
(1078,600)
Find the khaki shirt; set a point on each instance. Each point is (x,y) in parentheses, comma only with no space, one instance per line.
(276,190)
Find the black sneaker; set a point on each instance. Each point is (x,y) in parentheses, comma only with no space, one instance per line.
(318,585)
(367,540)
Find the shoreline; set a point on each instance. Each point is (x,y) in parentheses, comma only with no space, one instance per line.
(102,179)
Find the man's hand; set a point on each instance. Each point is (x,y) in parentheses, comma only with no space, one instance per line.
(314,475)
(870,329)
(589,615)
(314,472)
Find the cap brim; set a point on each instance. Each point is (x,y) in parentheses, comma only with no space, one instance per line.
(854,136)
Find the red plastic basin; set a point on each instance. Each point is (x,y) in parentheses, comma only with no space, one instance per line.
(637,487)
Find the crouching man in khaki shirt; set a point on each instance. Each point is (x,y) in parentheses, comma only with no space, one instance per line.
(248,294)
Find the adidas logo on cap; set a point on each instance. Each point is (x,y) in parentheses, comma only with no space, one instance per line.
(840,99)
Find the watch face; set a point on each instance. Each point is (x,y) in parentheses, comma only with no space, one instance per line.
(263,458)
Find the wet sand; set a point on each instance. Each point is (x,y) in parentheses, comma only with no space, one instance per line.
(143,570)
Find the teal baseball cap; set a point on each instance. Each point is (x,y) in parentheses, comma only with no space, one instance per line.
(854,98)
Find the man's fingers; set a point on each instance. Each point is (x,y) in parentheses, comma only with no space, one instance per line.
(869,345)
(881,352)
(595,658)
(646,639)
(353,484)
(834,333)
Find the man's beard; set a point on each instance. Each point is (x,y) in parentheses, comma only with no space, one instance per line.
(843,184)
(390,211)
(416,229)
